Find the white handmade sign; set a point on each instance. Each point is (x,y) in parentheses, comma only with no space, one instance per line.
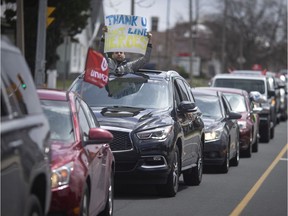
(126,34)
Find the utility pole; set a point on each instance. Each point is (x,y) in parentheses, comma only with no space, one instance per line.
(167,53)
(20,26)
(132,7)
(223,51)
(191,39)
(41,44)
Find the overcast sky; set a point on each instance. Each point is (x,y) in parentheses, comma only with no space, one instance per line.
(179,10)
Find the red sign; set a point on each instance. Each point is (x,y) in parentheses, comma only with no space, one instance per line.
(96,69)
(257,67)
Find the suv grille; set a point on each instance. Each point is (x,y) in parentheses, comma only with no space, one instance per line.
(121,141)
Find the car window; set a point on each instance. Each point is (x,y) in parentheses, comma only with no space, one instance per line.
(126,92)
(84,123)
(209,105)
(182,90)
(19,83)
(237,102)
(245,84)
(90,116)
(59,116)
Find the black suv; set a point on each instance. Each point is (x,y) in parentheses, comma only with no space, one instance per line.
(25,153)
(158,130)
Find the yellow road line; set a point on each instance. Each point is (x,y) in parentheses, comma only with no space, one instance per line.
(254,189)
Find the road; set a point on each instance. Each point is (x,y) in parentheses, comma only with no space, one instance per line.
(258,186)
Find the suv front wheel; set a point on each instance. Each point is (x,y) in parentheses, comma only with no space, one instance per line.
(171,187)
(193,176)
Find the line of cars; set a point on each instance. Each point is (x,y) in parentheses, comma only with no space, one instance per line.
(61,151)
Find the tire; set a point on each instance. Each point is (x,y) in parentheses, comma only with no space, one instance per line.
(265,132)
(193,176)
(224,168)
(33,207)
(255,145)
(248,152)
(170,189)
(272,132)
(235,160)
(109,206)
(84,208)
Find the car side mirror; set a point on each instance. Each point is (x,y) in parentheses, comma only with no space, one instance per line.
(99,136)
(234,115)
(187,106)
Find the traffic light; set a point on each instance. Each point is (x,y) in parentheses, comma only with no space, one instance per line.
(49,19)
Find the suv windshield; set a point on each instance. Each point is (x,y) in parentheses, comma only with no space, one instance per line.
(135,92)
(246,84)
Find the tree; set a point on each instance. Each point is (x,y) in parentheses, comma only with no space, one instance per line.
(256,30)
(70,19)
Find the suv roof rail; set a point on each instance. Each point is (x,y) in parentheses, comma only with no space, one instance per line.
(150,71)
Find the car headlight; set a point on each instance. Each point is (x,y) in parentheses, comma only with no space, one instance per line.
(156,133)
(214,134)
(61,175)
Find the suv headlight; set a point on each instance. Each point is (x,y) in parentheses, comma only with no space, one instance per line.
(61,175)
(156,133)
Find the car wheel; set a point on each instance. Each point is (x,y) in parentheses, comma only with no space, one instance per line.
(265,132)
(224,168)
(235,160)
(272,132)
(109,207)
(248,152)
(84,209)
(255,145)
(193,176)
(171,187)
(33,207)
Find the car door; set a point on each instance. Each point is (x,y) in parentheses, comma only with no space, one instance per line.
(95,156)
(185,121)
(232,126)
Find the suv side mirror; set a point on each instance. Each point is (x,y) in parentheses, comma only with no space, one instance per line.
(234,115)
(99,136)
(187,106)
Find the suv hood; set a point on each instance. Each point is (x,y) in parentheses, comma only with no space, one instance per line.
(132,118)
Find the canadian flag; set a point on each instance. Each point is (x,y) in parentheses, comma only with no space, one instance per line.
(96,69)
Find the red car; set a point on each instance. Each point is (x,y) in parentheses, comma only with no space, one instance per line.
(249,122)
(82,163)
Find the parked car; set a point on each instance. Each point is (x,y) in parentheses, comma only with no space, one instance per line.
(82,162)
(25,151)
(242,103)
(221,147)
(262,84)
(158,130)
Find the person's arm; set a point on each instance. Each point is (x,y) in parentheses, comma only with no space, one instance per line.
(102,42)
(139,63)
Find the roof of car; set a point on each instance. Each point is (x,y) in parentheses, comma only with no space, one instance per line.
(227,90)
(240,76)
(206,91)
(53,94)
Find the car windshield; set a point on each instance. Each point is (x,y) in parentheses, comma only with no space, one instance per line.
(209,106)
(245,84)
(134,92)
(59,117)
(237,102)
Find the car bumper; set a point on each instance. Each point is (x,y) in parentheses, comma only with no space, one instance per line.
(214,152)
(245,139)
